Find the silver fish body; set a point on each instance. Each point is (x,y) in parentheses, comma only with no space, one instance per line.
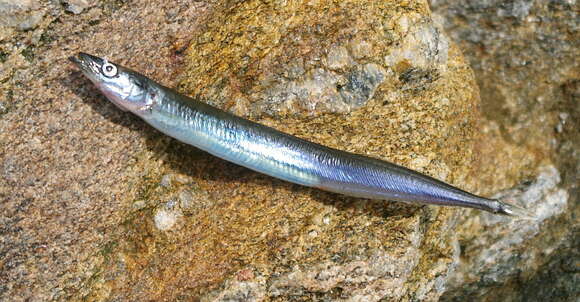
(286,157)
(269,151)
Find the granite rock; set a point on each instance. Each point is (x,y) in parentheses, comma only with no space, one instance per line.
(20,14)
(284,67)
(76,6)
(384,81)
(98,206)
(496,249)
(524,55)
(67,157)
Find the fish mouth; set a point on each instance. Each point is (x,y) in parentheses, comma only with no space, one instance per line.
(90,65)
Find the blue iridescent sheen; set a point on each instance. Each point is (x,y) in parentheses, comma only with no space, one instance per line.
(270,151)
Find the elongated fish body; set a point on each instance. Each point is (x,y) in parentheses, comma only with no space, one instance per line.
(286,157)
(269,151)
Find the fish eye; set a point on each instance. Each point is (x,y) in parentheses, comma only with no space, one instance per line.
(109,70)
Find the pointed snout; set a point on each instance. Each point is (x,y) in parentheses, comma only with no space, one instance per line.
(85,58)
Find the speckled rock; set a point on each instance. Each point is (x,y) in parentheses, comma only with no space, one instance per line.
(68,180)
(98,206)
(524,54)
(76,6)
(381,80)
(311,61)
(497,248)
(20,14)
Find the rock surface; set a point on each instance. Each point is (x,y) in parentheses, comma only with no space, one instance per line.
(496,249)
(524,54)
(97,206)
(317,59)
(67,157)
(380,85)
(20,14)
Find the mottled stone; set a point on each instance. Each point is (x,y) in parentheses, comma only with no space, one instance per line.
(76,6)
(20,14)
(338,58)
(496,248)
(524,54)
(404,94)
(380,276)
(237,290)
(71,165)
(166,218)
(166,180)
(96,205)
(283,67)
(422,46)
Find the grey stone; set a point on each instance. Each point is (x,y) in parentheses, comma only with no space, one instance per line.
(20,14)
(502,248)
(361,84)
(338,58)
(165,219)
(77,6)
(524,55)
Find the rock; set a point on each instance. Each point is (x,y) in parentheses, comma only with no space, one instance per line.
(423,46)
(251,291)
(166,180)
(139,205)
(380,67)
(3,108)
(338,76)
(20,14)
(503,246)
(85,215)
(71,167)
(338,58)
(76,6)
(165,219)
(194,200)
(381,276)
(524,57)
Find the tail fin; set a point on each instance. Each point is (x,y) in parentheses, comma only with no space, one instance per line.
(514,211)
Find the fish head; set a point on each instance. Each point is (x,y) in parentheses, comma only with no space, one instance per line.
(127,89)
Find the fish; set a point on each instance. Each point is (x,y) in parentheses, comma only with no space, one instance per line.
(272,152)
